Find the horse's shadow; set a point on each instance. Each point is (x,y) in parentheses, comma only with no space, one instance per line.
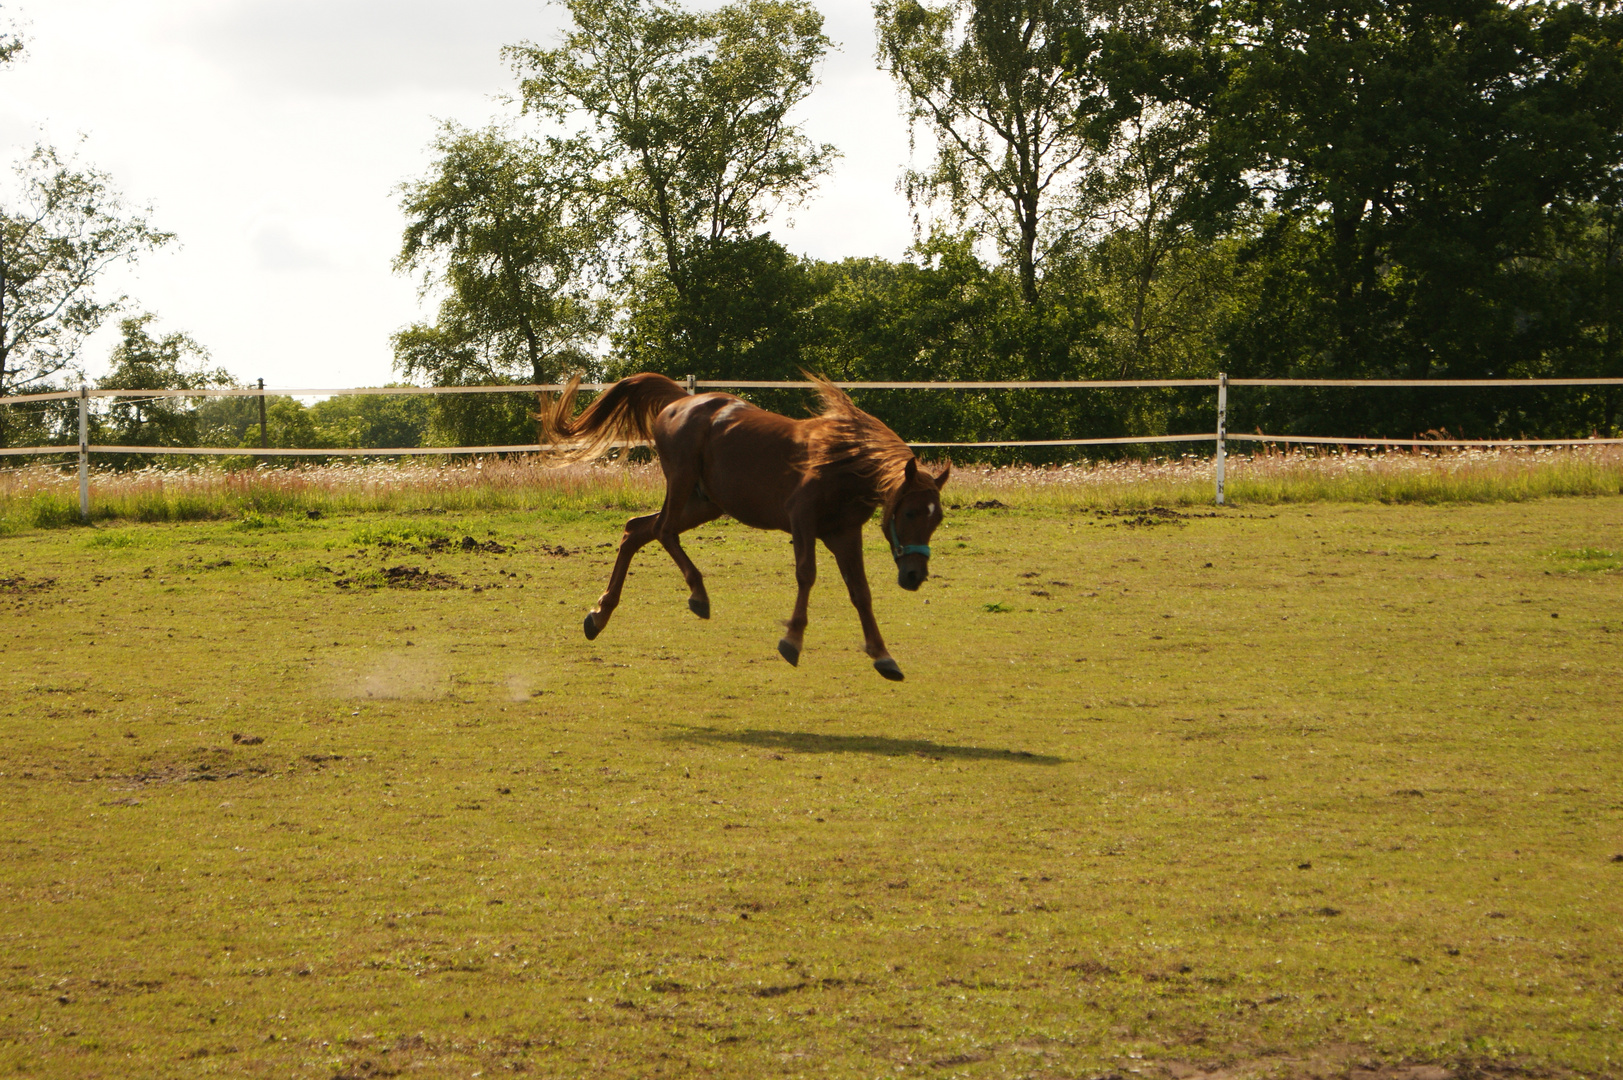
(806,742)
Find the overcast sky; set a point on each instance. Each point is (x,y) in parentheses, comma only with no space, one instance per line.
(270,135)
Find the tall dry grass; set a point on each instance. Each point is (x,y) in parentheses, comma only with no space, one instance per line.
(1273,476)
(45,496)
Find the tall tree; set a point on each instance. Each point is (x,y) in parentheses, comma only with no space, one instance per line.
(744,315)
(687,114)
(511,230)
(1427,144)
(1151,263)
(1015,120)
(67,227)
(141,361)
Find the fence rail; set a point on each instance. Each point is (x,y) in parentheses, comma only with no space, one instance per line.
(1220,437)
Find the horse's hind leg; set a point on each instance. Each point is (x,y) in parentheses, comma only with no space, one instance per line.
(639,531)
(685,508)
(794,634)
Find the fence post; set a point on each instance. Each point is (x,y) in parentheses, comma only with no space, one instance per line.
(1222,428)
(262,442)
(84,452)
(691,385)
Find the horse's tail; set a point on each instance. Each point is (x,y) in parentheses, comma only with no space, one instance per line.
(623,413)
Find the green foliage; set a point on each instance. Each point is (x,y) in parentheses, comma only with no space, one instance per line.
(1429,165)
(363,420)
(688,111)
(12,43)
(67,227)
(515,234)
(687,129)
(142,362)
(746,315)
(1164,190)
(1016,133)
(289,425)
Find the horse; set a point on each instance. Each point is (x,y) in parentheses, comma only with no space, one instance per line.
(820,478)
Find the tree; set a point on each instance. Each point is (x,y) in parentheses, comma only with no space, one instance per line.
(64,230)
(1015,119)
(1432,137)
(1152,266)
(744,316)
(373,420)
(143,362)
(510,228)
(687,122)
(11,44)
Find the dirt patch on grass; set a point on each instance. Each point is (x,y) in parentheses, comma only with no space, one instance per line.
(400,577)
(189,774)
(467,543)
(1341,1062)
(414,577)
(17,586)
(1148,517)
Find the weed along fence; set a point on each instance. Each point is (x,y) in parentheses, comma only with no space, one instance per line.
(1219,437)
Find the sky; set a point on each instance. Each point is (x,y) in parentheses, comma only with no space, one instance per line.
(271,137)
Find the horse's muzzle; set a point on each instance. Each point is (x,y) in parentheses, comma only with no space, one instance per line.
(912,571)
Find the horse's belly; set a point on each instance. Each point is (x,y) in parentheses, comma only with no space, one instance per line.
(760,506)
(749,478)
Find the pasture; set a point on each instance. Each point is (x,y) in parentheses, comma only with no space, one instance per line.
(1271,790)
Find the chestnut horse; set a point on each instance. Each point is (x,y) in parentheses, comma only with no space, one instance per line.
(815,479)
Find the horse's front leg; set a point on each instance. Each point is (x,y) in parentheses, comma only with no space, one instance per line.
(847,549)
(794,637)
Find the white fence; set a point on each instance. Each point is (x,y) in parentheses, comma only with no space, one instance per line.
(1220,437)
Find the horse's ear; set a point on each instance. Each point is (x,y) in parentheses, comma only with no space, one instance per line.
(941,477)
(911,471)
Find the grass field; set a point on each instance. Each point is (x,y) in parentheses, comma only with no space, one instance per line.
(1273,790)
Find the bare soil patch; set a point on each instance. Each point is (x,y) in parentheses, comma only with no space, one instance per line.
(19,585)
(402,577)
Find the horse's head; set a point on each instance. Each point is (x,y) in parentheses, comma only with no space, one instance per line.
(909,520)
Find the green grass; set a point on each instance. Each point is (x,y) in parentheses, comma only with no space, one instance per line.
(1588,560)
(1284,789)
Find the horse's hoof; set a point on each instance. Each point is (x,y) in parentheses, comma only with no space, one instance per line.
(887,667)
(592,629)
(789,652)
(701,608)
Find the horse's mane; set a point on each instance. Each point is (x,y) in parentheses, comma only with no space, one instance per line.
(855,444)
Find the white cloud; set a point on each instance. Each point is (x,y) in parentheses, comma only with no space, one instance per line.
(278,248)
(369,47)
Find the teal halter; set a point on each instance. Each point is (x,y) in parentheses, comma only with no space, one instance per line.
(898,549)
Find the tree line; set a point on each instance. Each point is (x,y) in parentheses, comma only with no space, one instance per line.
(1107,189)
(1115,189)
